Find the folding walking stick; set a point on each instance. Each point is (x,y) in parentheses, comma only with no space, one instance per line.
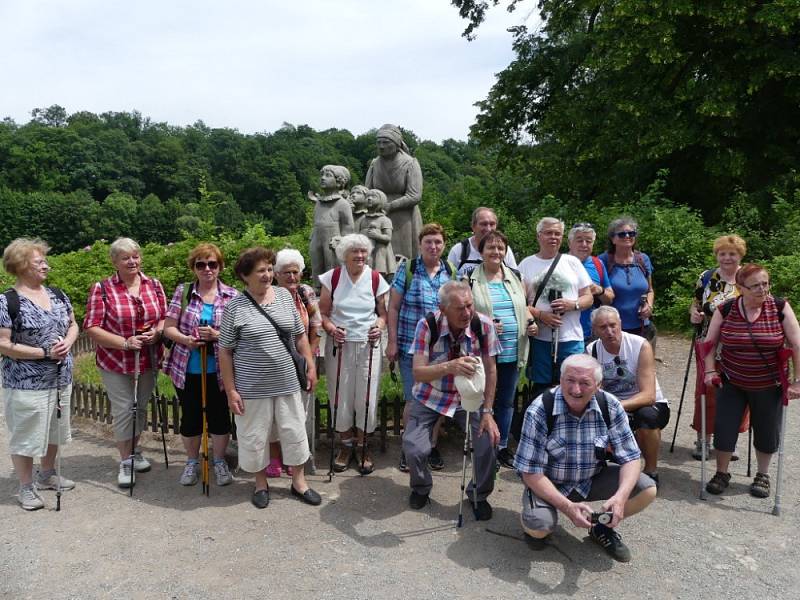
(683,390)
(204,469)
(162,413)
(58,426)
(701,350)
(783,361)
(467,447)
(371,346)
(335,408)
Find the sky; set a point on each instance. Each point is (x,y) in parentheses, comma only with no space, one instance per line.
(253,66)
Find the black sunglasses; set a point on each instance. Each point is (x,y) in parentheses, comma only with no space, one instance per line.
(583,226)
(626,234)
(620,370)
(201,265)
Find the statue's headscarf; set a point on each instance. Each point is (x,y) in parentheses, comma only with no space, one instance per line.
(393,133)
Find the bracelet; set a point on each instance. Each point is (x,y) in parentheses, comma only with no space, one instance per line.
(46,353)
(125,344)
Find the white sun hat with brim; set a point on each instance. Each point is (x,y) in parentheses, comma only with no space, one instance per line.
(471,388)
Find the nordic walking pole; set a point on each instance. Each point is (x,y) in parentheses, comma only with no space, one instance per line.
(135,411)
(749,449)
(783,360)
(554,331)
(371,346)
(162,413)
(464,473)
(204,468)
(474,473)
(58,426)
(683,390)
(335,407)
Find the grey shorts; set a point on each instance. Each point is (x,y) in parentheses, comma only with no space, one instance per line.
(538,515)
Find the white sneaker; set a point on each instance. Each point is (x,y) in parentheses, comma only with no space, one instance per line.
(189,475)
(222,473)
(141,464)
(50,482)
(29,499)
(125,477)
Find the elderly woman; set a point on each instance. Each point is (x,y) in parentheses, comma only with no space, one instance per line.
(750,330)
(37,330)
(499,293)
(581,242)
(125,318)
(193,319)
(289,267)
(353,306)
(415,293)
(259,375)
(631,275)
(714,288)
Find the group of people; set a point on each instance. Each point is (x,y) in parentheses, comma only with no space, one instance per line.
(579,325)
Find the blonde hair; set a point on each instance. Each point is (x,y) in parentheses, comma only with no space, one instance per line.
(730,242)
(17,255)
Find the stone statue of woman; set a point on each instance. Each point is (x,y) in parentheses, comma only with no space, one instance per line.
(333,218)
(397,174)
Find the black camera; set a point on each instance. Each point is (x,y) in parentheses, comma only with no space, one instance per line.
(553,295)
(602,518)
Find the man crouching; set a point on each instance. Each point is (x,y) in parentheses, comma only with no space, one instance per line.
(561,457)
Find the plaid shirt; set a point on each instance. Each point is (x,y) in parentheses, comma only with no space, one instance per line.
(122,314)
(567,456)
(442,395)
(421,297)
(188,321)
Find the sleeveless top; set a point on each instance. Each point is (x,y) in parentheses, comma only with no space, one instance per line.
(743,360)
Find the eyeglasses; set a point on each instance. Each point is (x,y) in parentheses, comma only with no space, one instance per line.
(626,234)
(583,226)
(201,265)
(764,285)
(40,263)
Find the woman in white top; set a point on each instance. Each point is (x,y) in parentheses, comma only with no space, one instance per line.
(353,307)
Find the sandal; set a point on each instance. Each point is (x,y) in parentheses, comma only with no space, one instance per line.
(760,486)
(367,466)
(718,483)
(343,459)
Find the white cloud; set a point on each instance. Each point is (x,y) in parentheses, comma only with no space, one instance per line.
(351,64)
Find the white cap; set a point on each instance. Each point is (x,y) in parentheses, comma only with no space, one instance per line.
(471,388)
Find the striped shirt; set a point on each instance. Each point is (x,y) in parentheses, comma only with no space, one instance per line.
(262,365)
(503,309)
(568,456)
(741,357)
(441,395)
(113,308)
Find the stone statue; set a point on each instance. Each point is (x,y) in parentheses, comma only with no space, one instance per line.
(397,174)
(333,218)
(358,202)
(378,228)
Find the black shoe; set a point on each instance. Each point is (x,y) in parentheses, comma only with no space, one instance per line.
(435,461)
(483,511)
(537,544)
(260,498)
(506,458)
(417,501)
(309,496)
(611,542)
(403,466)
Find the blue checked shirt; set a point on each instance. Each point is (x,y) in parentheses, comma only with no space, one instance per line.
(567,457)
(421,297)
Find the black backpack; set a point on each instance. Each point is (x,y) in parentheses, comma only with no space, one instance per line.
(433,325)
(12,299)
(549,398)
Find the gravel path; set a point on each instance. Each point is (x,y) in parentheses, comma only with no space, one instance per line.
(363,542)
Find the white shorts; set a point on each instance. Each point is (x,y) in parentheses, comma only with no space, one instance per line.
(353,384)
(283,413)
(32,420)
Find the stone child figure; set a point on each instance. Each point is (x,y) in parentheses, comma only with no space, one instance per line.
(358,203)
(378,227)
(398,175)
(333,218)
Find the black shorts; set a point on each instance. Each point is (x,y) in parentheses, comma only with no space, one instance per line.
(219,419)
(655,416)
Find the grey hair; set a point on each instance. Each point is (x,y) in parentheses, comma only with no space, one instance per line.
(616,224)
(123,245)
(604,310)
(350,242)
(289,256)
(479,210)
(545,221)
(583,361)
(449,288)
(581,228)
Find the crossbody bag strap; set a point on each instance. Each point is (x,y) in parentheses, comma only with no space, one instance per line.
(281,333)
(545,279)
(753,337)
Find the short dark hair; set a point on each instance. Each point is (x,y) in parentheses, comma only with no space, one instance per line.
(249,258)
(492,236)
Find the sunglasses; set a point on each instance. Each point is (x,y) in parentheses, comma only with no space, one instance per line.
(201,265)
(626,234)
(620,370)
(583,226)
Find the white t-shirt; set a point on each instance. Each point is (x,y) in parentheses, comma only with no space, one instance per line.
(353,303)
(474,259)
(619,376)
(569,277)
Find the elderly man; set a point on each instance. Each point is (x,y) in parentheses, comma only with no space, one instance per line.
(558,290)
(561,458)
(465,256)
(447,343)
(629,372)
(581,242)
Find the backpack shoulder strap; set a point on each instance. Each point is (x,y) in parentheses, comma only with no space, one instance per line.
(433,326)
(12,301)
(477,327)
(598,266)
(602,401)
(451,269)
(411,268)
(337,274)
(188,288)
(779,304)
(706,276)
(59,294)
(594,350)
(464,251)
(638,258)
(725,307)
(376,281)
(303,297)
(548,401)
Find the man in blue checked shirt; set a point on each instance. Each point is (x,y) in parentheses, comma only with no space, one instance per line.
(561,458)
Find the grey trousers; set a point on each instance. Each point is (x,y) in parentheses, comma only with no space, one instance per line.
(417,448)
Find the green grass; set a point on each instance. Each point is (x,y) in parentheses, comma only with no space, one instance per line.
(87,373)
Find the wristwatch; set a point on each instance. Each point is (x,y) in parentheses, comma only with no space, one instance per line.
(486,411)
(577,305)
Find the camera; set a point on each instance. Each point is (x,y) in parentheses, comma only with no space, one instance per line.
(553,295)
(603,518)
